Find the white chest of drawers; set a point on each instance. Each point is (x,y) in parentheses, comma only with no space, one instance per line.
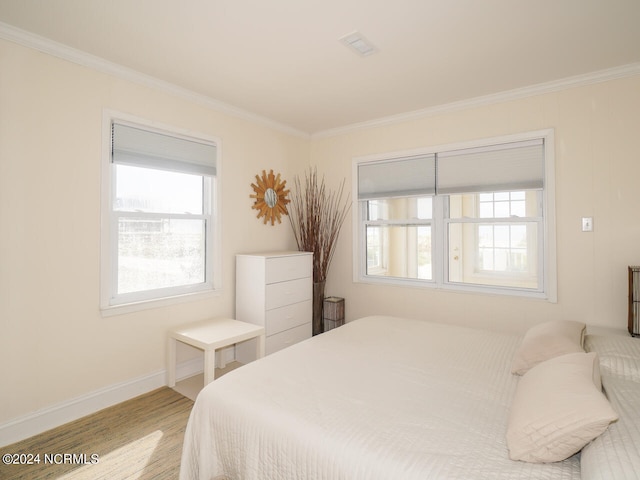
(274,290)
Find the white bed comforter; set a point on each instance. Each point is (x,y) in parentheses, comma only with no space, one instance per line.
(378,398)
(616,453)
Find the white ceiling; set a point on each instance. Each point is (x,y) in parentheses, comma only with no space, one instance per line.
(282,59)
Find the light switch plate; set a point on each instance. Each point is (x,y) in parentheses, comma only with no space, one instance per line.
(587,224)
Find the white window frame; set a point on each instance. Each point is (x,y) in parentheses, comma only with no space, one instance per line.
(110,303)
(492,272)
(547,264)
(474,272)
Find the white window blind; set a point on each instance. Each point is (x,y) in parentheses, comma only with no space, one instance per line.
(511,166)
(143,148)
(400,177)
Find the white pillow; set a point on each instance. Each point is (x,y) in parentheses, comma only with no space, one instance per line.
(548,340)
(557,409)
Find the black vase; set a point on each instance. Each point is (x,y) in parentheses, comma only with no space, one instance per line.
(318,303)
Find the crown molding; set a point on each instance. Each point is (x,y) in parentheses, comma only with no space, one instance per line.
(515,94)
(50,47)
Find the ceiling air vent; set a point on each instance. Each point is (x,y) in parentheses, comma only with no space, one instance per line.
(359,44)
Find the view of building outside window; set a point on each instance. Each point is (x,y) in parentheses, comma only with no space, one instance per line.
(160,228)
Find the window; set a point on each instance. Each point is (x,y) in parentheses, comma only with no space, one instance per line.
(494,238)
(159,215)
(398,236)
(475,217)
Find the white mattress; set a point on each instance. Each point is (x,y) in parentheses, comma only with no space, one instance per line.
(378,398)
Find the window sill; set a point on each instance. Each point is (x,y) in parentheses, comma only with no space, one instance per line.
(461,288)
(113,310)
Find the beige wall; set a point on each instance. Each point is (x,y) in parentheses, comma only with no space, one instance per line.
(597,174)
(54,344)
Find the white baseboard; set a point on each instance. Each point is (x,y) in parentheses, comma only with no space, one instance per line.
(53,416)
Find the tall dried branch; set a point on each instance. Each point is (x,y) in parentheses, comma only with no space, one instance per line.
(316,215)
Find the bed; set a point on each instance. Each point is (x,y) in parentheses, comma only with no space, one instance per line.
(378,398)
(616,453)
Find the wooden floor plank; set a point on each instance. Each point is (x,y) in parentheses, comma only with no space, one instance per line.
(137,439)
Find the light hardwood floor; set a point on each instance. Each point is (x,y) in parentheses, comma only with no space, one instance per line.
(137,439)
(190,387)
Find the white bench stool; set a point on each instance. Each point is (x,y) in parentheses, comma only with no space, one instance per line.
(209,335)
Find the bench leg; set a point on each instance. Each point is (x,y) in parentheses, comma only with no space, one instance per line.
(209,366)
(221,362)
(171,362)
(260,347)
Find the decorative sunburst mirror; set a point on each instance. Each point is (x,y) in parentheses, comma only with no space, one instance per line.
(270,197)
